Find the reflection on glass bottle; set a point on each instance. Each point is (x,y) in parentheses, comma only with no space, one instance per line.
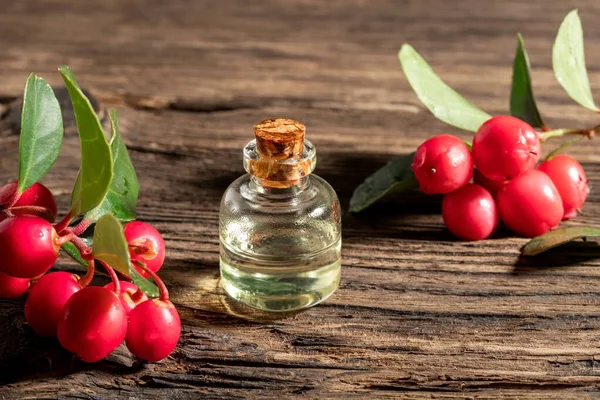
(279,225)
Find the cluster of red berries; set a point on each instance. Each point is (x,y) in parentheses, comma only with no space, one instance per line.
(507,185)
(90,321)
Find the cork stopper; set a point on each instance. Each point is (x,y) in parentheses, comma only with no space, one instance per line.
(279,138)
(281,159)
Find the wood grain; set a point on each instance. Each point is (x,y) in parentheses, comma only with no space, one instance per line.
(418,314)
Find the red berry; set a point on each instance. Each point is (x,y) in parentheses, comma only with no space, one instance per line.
(442,164)
(36,195)
(145,244)
(130,295)
(569,178)
(505,147)
(530,204)
(154,330)
(491,185)
(11,287)
(93,323)
(46,300)
(470,212)
(27,246)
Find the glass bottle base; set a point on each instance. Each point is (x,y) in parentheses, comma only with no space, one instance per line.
(279,290)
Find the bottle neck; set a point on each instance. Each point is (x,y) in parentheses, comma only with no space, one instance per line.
(291,189)
(279,177)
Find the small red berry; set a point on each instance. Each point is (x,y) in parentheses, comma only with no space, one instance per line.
(93,323)
(442,164)
(530,204)
(130,295)
(27,246)
(569,178)
(36,195)
(470,212)
(145,244)
(154,330)
(491,185)
(11,287)
(46,300)
(505,147)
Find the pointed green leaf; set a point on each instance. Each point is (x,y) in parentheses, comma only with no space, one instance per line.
(393,177)
(568,61)
(96,170)
(443,101)
(72,252)
(522,101)
(558,237)
(110,246)
(41,132)
(122,195)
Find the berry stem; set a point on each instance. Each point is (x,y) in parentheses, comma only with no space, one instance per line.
(113,277)
(13,200)
(563,146)
(138,295)
(66,237)
(64,223)
(164,293)
(562,132)
(81,227)
(84,249)
(36,209)
(87,278)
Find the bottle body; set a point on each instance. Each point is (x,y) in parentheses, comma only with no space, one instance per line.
(280,248)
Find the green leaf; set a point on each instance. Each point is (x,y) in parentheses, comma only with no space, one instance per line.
(443,101)
(72,252)
(522,101)
(41,132)
(395,176)
(96,170)
(568,61)
(110,246)
(122,195)
(556,238)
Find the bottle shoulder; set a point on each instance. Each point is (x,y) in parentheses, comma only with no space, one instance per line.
(253,223)
(241,195)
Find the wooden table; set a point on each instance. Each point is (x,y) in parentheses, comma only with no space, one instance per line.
(418,314)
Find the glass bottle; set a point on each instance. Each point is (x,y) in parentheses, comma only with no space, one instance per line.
(279,225)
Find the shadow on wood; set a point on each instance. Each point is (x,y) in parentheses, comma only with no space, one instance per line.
(568,255)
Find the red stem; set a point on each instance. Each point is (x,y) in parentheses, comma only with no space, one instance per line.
(37,209)
(42,211)
(113,276)
(84,249)
(164,293)
(66,237)
(137,296)
(16,196)
(64,223)
(87,278)
(81,227)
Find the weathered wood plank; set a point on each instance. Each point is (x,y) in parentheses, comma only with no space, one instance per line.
(419,314)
